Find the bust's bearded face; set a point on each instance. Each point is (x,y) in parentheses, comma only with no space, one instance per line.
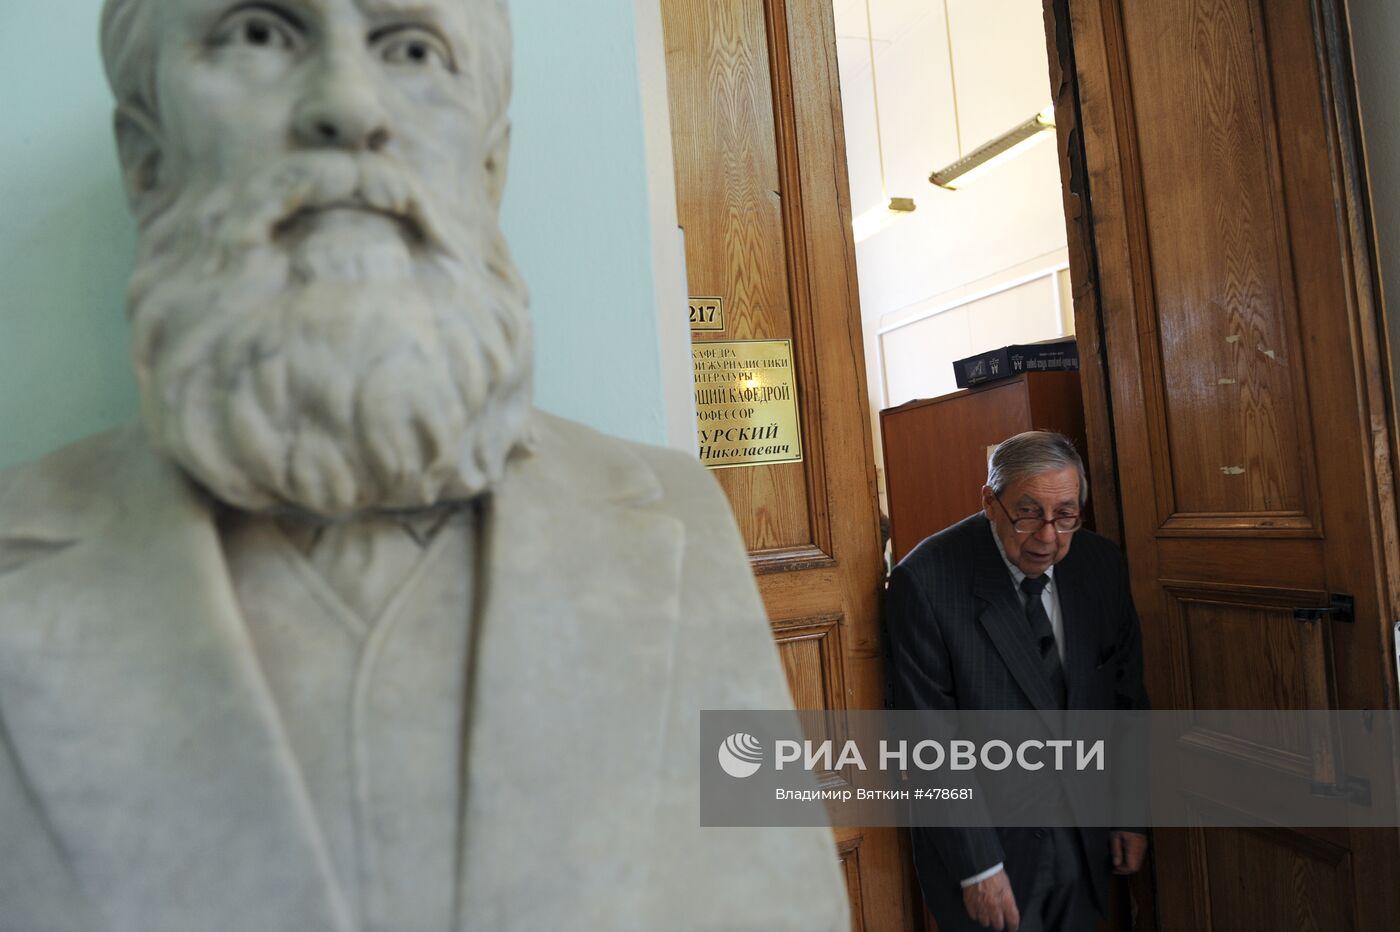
(326,316)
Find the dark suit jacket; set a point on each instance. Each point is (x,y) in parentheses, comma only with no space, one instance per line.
(960,640)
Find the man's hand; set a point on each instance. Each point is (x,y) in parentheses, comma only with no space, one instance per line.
(990,902)
(1128,849)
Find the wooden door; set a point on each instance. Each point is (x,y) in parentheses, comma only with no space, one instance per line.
(762,195)
(1231,332)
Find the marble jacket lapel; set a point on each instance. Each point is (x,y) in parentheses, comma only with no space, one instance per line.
(554,757)
(132,698)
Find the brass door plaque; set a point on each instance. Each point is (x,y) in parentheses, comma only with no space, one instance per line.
(707,314)
(746,403)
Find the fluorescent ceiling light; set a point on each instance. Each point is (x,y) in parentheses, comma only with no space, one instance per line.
(878,218)
(1001,149)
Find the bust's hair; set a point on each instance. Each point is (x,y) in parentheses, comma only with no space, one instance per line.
(1032,453)
(129,36)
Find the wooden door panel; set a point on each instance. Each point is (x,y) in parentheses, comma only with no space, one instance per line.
(1230,289)
(1182,554)
(1222,308)
(734,159)
(1242,648)
(813,657)
(1195,523)
(718,64)
(1310,878)
(1220,672)
(1309,874)
(734,119)
(849,853)
(762,195)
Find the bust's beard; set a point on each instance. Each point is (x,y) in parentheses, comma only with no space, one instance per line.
(325,372)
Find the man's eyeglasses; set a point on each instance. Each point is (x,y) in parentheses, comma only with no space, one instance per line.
(1026,524)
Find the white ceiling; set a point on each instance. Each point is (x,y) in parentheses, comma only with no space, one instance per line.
(889,19)
(1002,79)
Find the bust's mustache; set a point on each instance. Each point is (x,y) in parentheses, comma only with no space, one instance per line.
(285,199)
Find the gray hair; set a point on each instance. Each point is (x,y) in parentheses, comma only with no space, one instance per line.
(1032,453)
(129,40)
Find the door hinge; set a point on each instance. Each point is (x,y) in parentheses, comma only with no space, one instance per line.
(1397,658)
(1356,790)
(1340,607)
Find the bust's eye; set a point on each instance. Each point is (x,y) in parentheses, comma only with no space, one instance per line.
(414,47)
(258,28)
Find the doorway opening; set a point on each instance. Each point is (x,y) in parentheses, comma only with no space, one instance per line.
(956,151)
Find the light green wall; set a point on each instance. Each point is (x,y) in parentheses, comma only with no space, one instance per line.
(577,214)
(65,240)
(576,210)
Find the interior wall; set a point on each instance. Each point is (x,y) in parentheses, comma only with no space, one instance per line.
(1027,302)
(591,223)
(948,280)
(66,241)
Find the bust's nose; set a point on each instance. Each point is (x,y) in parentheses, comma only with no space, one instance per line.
(340,108)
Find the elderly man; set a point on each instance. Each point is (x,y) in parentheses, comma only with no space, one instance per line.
(999,611)
(348,637)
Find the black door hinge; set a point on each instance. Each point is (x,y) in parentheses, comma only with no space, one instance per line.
(1355,790)
(1340,607)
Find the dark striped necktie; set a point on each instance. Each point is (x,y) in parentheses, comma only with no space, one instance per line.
(1044,634)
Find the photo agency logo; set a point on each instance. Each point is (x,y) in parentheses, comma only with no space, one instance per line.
(741,755)
(1009,768)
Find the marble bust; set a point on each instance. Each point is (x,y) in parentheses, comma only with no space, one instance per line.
(343,634)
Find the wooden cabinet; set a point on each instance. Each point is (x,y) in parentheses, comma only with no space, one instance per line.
(936,448)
